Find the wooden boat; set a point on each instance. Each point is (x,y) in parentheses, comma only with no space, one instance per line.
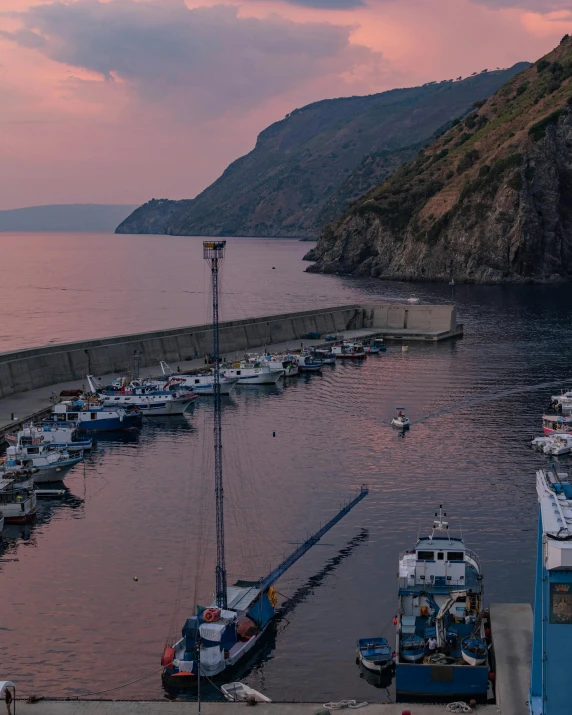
(235,692)
(374,653)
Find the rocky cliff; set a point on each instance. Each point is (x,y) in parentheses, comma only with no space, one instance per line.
(488,201)
(305,169)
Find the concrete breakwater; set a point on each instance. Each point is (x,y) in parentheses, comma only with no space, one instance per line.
(31,369)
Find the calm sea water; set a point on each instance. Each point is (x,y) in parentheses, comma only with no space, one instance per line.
(73,619)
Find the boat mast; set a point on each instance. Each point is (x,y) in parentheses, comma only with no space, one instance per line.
(213,252)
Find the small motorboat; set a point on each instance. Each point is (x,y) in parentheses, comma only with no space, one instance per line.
(474,650)
(412,648)
(413,298)
(558,444)
(374,653)
(401,421)
(236,692)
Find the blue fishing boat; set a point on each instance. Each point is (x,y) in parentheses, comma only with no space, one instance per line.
(374,653)
(442,651)
(89,416)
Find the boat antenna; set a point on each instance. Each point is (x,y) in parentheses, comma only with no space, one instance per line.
(461,523)
(213,252)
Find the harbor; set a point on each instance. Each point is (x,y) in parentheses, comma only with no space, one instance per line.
(269,417)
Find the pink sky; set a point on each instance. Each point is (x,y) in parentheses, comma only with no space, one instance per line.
(124,100)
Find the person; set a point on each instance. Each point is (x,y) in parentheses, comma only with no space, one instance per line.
(8,698)
(432,644)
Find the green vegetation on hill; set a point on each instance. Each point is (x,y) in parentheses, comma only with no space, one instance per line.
(490,200)
(308,167)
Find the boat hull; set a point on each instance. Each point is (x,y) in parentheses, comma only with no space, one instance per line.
(265,378)
(375,667)
(177,407)
(110,424)
(54,472)
(441,682)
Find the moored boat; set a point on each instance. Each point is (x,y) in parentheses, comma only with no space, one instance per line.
(47,464)
(58,436)
(90,416)
(374,653)
(200,382)
(239,692)
(253,373)
(306,363)
(556,423)
(558,444)
(17,501)
(349,351)
(440,621)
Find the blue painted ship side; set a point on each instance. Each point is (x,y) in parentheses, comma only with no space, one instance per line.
(110,424)
(450,682)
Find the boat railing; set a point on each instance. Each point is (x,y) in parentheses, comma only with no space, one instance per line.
(471,556)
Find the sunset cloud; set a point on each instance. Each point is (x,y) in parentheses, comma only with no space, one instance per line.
(207,60)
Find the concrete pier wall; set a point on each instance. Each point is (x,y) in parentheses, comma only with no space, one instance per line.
(411,317)
(38,367)
(31,369)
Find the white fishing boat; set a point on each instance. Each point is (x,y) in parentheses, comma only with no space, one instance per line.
(287,363)
(253,373)
(349,351)
(17,501)
(64,436)
(199,383)
(239,692)
(558,444)
(308,363)
(401,421)
(145,398)
(48,464)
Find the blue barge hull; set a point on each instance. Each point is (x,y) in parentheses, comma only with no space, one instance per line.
(441,682)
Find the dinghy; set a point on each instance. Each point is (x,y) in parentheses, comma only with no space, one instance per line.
(236,692)
(374,653)
(474,651)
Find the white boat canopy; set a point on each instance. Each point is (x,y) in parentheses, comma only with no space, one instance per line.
(6,684)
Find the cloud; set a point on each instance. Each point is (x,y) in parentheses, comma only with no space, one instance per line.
(328,4)
(204,61)
(542,6)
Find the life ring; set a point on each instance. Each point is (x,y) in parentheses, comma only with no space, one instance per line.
(211,614)
(39,429)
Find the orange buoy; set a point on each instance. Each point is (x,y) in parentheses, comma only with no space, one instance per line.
(168,656)
(395,621)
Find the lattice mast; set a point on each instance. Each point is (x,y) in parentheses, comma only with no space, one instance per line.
(213,252)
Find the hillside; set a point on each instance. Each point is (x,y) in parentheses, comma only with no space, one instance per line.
(306,168)
(64,217)
(488,201)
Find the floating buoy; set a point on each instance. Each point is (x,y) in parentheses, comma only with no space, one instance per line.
(404,348)
(273,268)
(274,434)
(136,578)
(395,621)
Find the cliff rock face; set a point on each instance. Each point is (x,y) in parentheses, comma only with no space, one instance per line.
(489,201)
(305,169)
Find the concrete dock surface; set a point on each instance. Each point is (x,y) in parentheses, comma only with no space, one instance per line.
(165,707)
(512,639)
